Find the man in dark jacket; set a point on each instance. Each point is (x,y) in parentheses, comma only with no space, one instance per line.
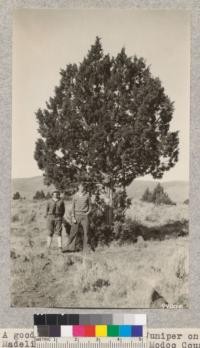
(55,211)
(81,208)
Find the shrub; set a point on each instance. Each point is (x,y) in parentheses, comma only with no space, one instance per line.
(100,230)
(39,195)
(120,204)
(127,231)
(186,201)
(16,195)
(130,230)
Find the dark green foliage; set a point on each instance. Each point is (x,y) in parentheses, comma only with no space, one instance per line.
(158,196)
(130,230)
(147,196)
(120,204)
(107,123)
(161,197)
(109,117)
(39,195)
(100,231)
(16,196)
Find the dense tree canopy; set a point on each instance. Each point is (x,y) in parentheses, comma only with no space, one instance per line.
(108,123)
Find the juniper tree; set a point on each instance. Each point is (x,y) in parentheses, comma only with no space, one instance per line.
(147,195)
(159,196)
(39,195)
(108,122)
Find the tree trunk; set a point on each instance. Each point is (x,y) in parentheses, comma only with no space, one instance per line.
(109,213)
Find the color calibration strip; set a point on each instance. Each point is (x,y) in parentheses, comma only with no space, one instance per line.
(89,331)
(89,325)
(90,319)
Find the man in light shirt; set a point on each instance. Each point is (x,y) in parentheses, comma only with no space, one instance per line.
(81,207)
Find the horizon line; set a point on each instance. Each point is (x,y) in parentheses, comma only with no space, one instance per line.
(141,179)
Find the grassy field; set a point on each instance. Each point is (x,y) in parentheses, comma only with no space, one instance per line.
(145,274)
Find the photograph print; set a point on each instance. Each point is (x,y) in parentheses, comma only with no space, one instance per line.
(100,158)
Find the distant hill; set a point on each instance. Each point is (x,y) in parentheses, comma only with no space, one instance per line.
(28,186)
(178,191)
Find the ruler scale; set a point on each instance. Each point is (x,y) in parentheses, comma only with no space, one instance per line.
(89,343)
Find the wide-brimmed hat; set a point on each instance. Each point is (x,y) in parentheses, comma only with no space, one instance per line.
(55,191)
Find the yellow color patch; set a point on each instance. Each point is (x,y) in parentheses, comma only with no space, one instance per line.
(101,330)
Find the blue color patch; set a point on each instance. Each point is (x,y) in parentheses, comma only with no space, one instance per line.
(125,330)
(137,331)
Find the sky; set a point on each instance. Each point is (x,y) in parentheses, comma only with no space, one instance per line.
(45,41)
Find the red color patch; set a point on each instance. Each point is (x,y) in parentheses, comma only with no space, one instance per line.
(89,331)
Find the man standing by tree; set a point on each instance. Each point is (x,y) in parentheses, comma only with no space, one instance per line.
(55,211)
(81,207)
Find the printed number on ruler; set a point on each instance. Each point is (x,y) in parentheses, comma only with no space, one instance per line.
(90,343)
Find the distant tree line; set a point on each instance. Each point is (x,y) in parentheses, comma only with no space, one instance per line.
(158,196)
(39,195)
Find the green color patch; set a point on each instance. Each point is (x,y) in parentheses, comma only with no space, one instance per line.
(113,330)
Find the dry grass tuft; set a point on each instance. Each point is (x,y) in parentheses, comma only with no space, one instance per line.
(15,218)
